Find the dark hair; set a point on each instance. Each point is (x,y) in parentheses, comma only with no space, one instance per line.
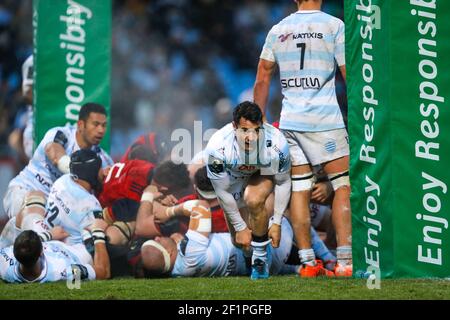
(247,110)
(27,248)
(173,176)
(202,181)
(142,152)
(89,108)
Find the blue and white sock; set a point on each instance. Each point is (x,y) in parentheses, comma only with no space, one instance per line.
(307,256)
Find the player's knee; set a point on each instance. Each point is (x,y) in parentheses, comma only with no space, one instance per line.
(34,202)
(339,180)
(254,201)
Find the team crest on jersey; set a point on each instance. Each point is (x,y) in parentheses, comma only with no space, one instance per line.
(268,143)
(215,165)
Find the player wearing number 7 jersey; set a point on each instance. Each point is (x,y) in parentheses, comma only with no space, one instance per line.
(307,45)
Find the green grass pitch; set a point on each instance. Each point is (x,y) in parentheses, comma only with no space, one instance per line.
(232,288)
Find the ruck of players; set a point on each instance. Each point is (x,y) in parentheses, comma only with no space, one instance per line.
(259,200)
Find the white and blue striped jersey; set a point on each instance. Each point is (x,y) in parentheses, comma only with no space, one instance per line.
(60,262)
(225,157)
(41,173)
(72,207)
(200,256)
(307,46)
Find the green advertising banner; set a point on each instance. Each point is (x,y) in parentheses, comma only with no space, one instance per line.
(72,59)
(399,125)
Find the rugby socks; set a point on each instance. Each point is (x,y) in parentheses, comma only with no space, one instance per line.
(344,255)
(259,245)
(307,257)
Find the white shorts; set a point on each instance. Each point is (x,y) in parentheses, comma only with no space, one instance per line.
(316,147)
(14,199)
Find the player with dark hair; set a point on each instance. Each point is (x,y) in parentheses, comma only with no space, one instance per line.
(30,260)
(204,191)
(247,160)
(311,119)
(71,204)
(52,157)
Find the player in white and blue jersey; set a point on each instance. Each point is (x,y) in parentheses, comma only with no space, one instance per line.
(201,253)
(31,260)
(52,157)
(308,46)
(247,160)
(71,204)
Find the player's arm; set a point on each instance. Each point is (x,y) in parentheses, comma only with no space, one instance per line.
(262,83)
(56,153)
(282,192)
(144,219)
(165,213)
(101,265)
(228,203)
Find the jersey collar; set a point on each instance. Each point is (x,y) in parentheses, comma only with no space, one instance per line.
(38,279)
(308,11)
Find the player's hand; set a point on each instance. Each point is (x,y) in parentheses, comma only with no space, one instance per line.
(99,224)
(161,216)
(154,190)
(244,238)
(320,192)
(275,234)
(58,233)
(169,200)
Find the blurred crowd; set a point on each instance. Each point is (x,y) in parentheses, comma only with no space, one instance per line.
(173,62)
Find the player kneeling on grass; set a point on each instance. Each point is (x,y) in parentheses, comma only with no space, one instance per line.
(31,260)
(247,161)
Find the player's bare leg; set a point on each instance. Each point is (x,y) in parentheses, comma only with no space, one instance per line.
(255,195)
(337,171)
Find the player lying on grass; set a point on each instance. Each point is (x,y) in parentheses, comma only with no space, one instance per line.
(71,206)
(31,260)
(124,215)
(202,253)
